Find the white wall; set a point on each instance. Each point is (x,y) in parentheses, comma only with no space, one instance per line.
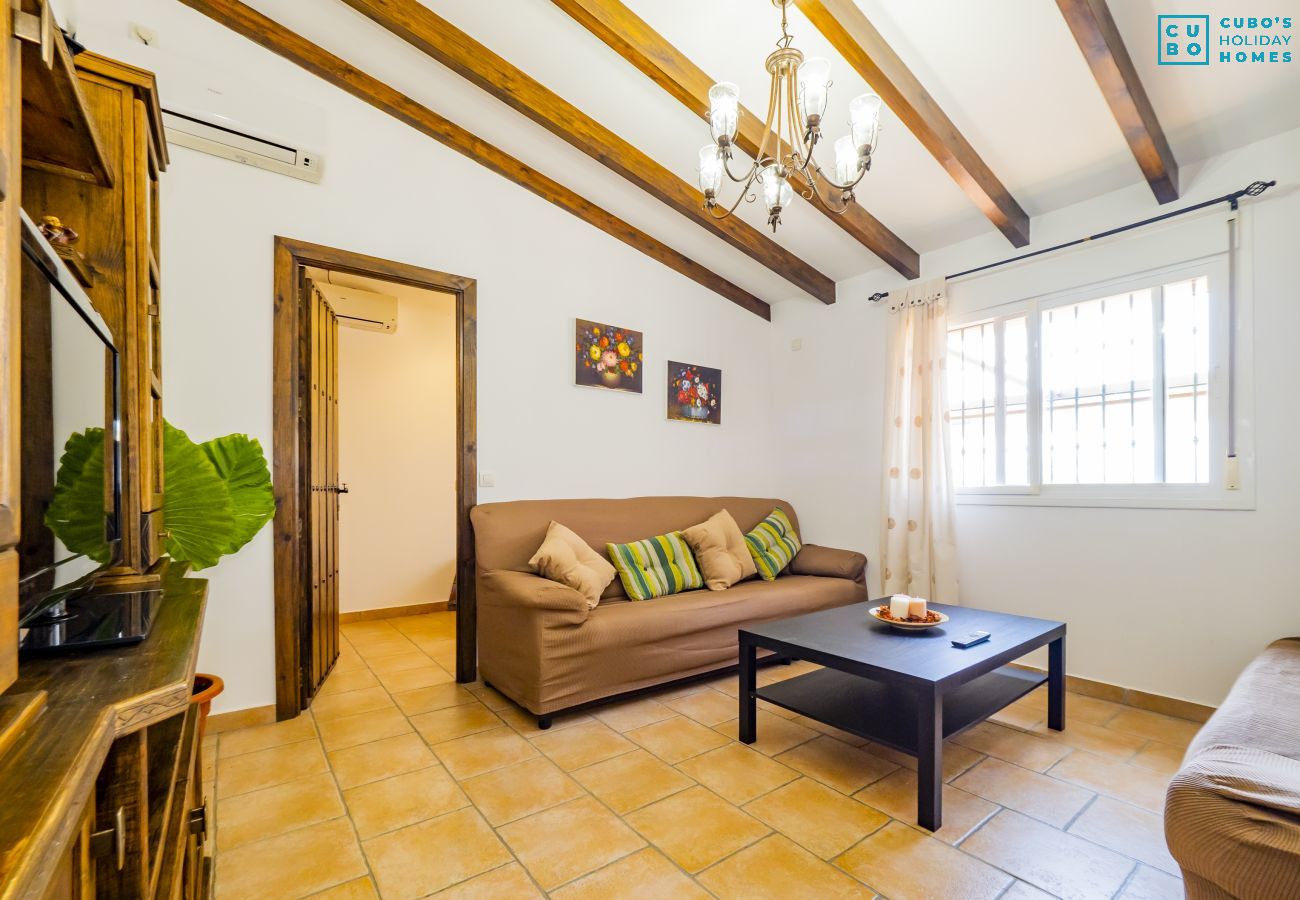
(1087,567)
(392,193)
(397,454)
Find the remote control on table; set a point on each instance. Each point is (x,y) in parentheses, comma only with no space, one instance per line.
(970,640)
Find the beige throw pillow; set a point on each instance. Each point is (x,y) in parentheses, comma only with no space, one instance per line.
(719,548)
(568,559)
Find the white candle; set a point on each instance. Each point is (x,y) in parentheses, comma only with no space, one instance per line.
(916,607)
(898,606)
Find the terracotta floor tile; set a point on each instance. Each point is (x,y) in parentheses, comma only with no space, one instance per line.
(1114,779)
(899,861)
(398,662)
(956,758)
(1166,729)
(1163,759)
(1025,750)
(634,713)
(840,735)
(1021,890)
(509,882)
(348,678)
(275,810)
(1149,884)
(1090,710)
(895,795)
(1018,716)
(676,739)
(1126,829)
(777,868)
(696,828)
(455,721)
(386,647)
(736,773)
(644,875)
(582,745)
(291,865)
(402,800)
(489,696)
(262,737)
(381,759)
(357,889)
(428,699)
(1096,739)
(352,703)
(410,679)
(264,768)
(520,790)
(475,754)
(1052,860)
(525,723)
(632,780)
(434,854)
(569,841)
(775,734)
(349,731)
(1052,801)
(845,768)
(706,707)
(816,817)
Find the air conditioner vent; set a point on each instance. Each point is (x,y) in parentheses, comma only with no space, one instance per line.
(229,143)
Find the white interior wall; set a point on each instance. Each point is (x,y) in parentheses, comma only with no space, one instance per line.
(1145,592)
(397,453)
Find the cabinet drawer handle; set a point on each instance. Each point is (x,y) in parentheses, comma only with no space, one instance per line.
(111,841)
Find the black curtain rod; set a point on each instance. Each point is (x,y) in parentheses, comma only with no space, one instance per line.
(1254,189)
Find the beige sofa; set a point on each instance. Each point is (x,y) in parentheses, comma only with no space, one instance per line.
(1232,813)
(540,645)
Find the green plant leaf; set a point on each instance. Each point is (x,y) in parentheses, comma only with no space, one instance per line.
(239,460)
(197,511)
(76,512)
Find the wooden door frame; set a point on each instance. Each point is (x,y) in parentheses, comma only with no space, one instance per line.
(289,438)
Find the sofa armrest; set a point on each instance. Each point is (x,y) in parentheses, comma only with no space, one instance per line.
(829,562)
(523,590)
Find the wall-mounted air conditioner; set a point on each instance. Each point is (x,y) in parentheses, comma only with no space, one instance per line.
(357,308)
(228,143)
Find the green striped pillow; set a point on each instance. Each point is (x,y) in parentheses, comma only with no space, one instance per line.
(656,567)
(773,543)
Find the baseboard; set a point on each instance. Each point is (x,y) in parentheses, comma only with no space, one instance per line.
(240,718)
(1169,706)
(392,612)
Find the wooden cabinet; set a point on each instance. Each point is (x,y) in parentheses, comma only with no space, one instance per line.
(119,228)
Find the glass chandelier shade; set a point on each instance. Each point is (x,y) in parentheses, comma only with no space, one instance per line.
(784,151)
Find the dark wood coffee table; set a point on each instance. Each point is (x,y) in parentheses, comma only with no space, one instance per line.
(907,690)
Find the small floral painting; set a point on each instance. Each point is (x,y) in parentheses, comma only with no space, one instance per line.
(694,393)
(607,356)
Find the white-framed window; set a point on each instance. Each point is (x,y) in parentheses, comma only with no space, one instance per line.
(1110,395)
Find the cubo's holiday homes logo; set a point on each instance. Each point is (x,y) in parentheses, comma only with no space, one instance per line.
(1186,40)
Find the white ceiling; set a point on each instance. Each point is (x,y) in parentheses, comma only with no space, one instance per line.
(1007,72)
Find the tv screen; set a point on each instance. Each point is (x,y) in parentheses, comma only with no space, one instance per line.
(71,481)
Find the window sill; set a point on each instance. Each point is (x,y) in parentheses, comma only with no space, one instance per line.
(1158,497)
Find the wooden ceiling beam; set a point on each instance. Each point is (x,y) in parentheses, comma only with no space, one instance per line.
(856,39)
(428,32)
(261,30)
(1103,47)
(628,35)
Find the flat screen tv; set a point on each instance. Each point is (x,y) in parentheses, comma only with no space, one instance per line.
(71,421)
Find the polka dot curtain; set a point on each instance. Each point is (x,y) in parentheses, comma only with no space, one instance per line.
(919,551)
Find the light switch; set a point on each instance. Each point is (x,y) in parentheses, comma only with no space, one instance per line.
(487,479)
(796,344)
(1232,474)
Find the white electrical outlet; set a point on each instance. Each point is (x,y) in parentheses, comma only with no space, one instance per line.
(796,344)
(487,479)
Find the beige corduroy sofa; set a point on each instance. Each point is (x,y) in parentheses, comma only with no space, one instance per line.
(540,645)
(1232,813)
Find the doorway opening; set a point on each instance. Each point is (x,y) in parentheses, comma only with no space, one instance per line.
(305,455)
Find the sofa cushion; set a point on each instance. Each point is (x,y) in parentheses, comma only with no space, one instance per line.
(719,548)
(566,558)
(773,543)
(656,567)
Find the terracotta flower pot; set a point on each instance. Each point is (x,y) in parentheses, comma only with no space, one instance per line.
(206,688)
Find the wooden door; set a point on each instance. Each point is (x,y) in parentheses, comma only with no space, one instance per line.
(321,646)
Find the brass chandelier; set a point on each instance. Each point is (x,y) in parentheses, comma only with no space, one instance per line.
(796,103)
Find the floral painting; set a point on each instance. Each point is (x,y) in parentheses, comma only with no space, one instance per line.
(694,393)
(608,356)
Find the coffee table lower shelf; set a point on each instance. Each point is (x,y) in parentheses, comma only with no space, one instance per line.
(887,714)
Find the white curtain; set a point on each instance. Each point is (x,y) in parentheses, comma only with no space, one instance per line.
(919,552)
